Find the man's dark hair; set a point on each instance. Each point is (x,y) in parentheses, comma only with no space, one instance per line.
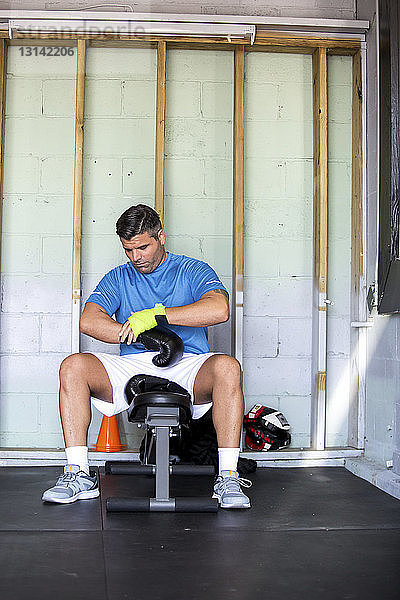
(136,220)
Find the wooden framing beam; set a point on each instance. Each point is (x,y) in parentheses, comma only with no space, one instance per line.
(280,39)
(357,309)
(160,129)
(320,184)
(238,207)
(3,78)
(78,178)
(265,41)
(356,179)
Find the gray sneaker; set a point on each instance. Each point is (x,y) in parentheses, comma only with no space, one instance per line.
(72,485)
(228,492)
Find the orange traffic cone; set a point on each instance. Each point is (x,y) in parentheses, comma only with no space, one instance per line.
(108,439)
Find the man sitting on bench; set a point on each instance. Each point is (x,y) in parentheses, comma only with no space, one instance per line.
(188,296)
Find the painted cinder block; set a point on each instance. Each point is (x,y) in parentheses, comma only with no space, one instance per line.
(219,338)
(21,65)
(120,137)
(21,174)
(130,63)
(277,297)
(218,178)
(339,141)
(295,337)
(264,178)
(57,175)
(339,271)
(277,376)
(295,257)
(139,98)
(31,213)
(210,216)
(337,395)
(297,410)
(89,344)
(49,414)
(339,180)
(36,293)
(100,255)
(261,257)
(184,177)
(295,102)
(103,98)
(23,97)
(182,100)
(37,374)
(217,251)
(44,136)
(276,219)
(207,65)
(55,333)
(260,337)
(338,336)
(19,333)
(339,70)
(217,100)
(272,68)
(138,175)
(261,101)
(19,413)
(20,254)
(281,139)
(59,97)
(102,175)
(100,213)
(340,103)
(299,178)
(192,137)
(184,244)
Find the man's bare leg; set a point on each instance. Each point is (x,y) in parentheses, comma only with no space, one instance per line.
(81,376)
(219,379)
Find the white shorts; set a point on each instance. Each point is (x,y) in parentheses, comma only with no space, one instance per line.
(121,368)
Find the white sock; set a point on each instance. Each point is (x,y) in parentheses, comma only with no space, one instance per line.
(78,455)
(228,459)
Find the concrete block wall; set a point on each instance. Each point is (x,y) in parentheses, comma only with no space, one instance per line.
(119,171)
(278,236)
(36,245)
(339,248)
(328,9)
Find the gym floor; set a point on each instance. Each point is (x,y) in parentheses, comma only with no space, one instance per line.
(312,533)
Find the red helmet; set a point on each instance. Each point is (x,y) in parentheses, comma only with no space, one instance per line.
(266,429)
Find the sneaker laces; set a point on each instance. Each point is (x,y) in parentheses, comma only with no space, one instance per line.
(66,477)
(231,483)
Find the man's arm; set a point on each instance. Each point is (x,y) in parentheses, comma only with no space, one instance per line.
(211,309)
(98,324)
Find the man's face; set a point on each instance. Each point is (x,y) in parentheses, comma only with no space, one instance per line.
(145,252)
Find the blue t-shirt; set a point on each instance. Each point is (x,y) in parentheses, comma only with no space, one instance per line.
(178,281)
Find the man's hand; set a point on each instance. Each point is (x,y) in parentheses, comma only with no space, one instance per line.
(145,319)
(126,335)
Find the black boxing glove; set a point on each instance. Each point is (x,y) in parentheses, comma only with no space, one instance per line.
(166,342)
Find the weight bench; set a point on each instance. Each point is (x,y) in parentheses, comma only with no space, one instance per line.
(162,412)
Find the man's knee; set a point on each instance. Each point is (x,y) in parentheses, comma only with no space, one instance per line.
(227,368)
(72,366)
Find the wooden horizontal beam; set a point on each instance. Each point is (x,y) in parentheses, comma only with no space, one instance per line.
(265,41)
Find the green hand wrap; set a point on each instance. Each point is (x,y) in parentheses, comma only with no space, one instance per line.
(145,319)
